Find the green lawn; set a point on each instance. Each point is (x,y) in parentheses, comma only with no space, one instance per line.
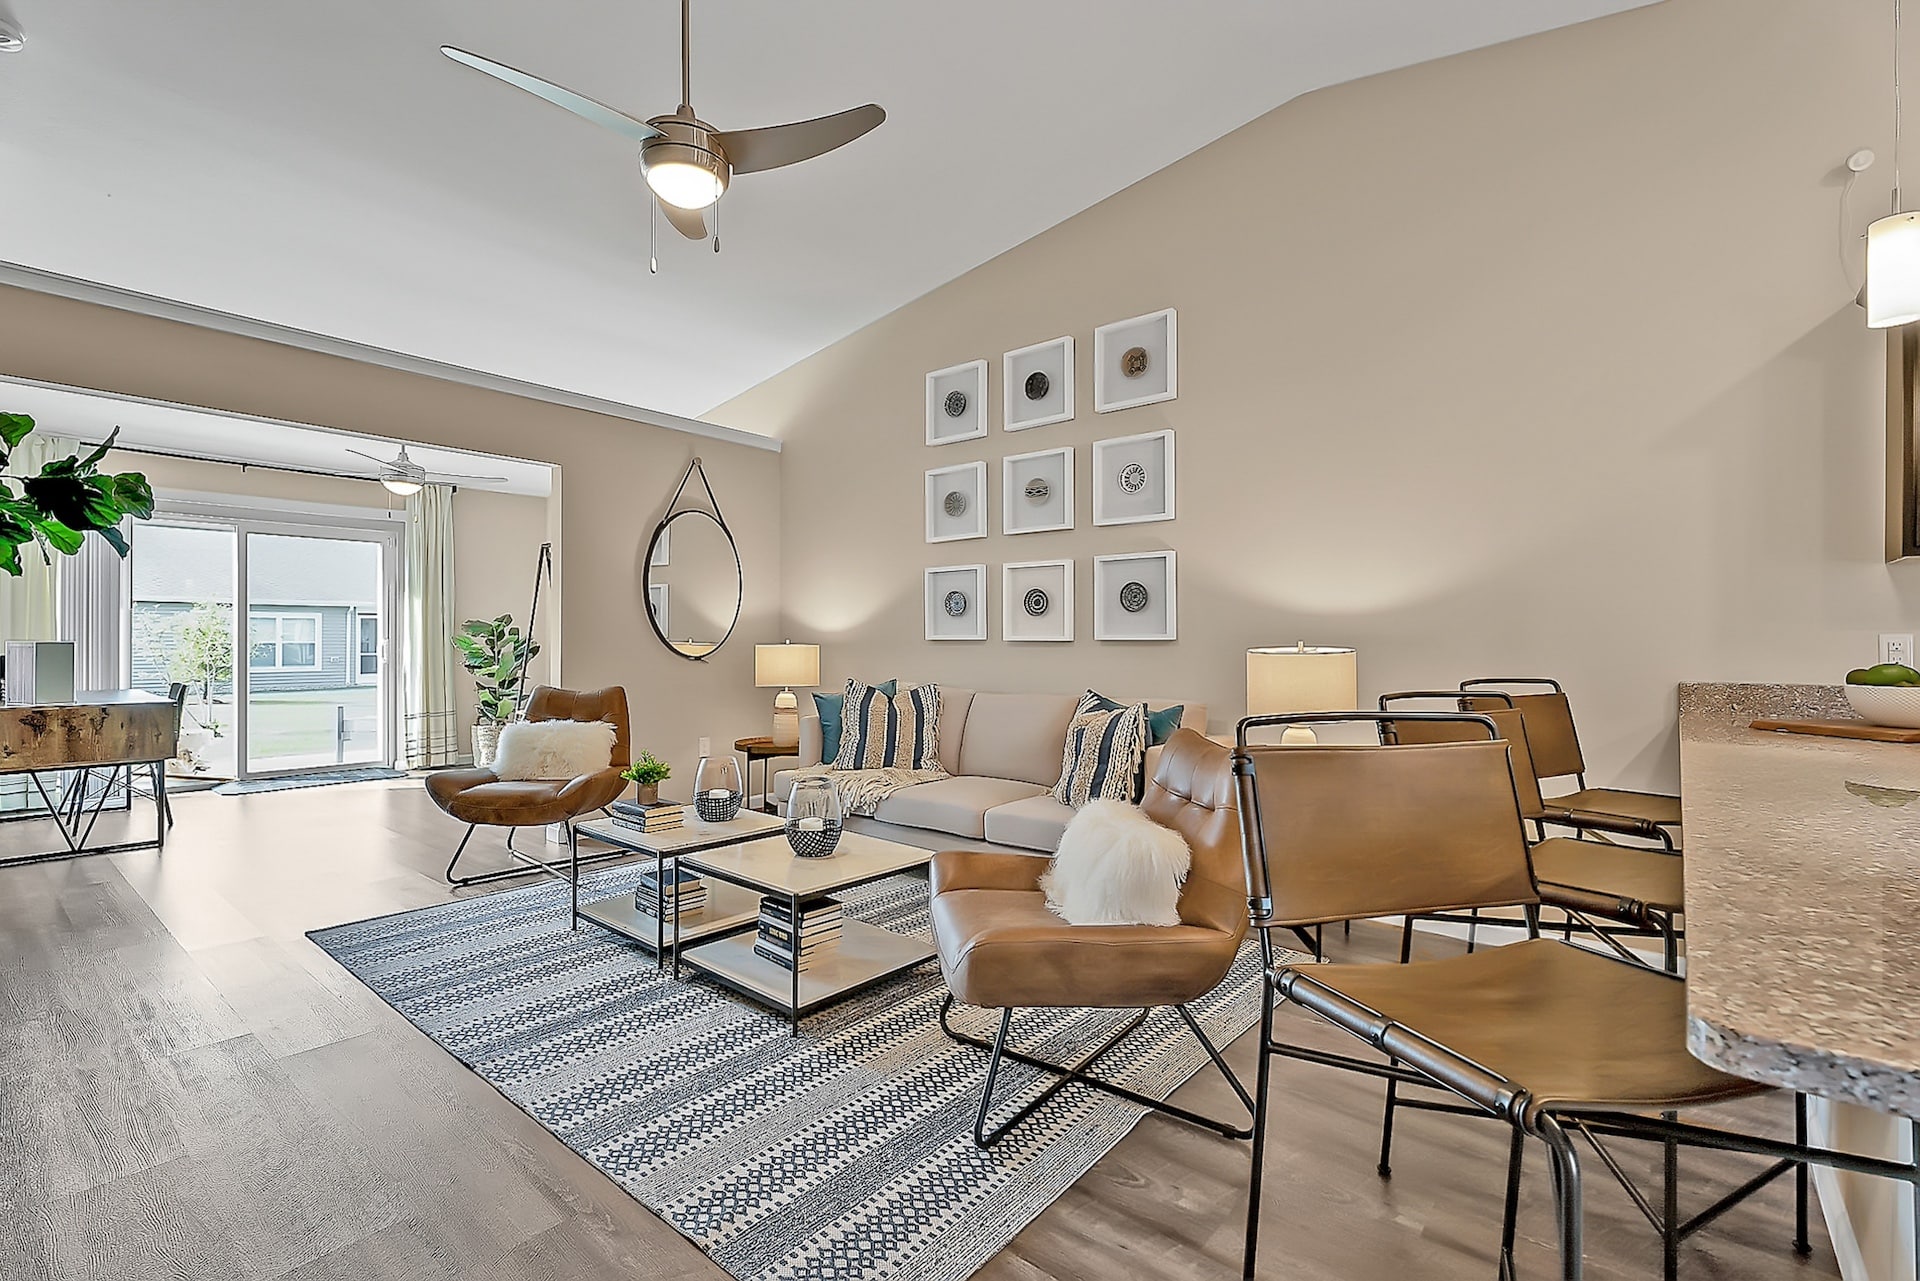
(299,728)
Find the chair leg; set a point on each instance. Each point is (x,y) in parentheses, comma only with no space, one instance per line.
(458,850)
(1386,1128)
(1802,1246)
(1510,1218)
(1068,1074)
(1670,1208)
(1565,1165)
(1263,1091)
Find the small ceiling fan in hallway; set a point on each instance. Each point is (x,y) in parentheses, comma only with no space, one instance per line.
(401,475)
(687,162)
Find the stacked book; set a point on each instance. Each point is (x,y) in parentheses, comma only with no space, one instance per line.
(651,816)
(797,945)
(684,893)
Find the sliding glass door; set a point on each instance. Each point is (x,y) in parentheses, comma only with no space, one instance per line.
(279,628)
(316,674)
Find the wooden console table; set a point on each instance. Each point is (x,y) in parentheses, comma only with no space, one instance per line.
(101,731)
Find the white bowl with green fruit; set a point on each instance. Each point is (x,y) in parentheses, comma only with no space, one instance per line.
(1887,694)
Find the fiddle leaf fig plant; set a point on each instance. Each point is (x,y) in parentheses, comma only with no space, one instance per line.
(65,501)
(496,654)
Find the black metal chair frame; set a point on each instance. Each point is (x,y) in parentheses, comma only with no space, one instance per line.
(1080,1071)
(531,864)
(1486,1094)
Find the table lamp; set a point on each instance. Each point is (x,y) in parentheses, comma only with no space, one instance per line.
(1284,679)
(782,667)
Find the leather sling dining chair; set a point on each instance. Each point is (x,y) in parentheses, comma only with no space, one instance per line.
(1639,890)
(1001,948)
(481,798)
(1543,704)
(1554,1040)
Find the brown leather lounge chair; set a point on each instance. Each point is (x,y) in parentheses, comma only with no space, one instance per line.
(481,798)
(1000,948)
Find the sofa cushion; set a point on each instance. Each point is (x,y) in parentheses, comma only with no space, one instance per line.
(828,709)
(1016,736)
(1104,753)
(957,806)
(878,732)
(954,705)
(1035,823)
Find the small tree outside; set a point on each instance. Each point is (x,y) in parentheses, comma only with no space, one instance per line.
(200,653)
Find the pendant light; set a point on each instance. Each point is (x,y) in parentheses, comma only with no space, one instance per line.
(1893,242)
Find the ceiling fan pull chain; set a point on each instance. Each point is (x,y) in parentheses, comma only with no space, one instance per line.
(716,225)
(653,254)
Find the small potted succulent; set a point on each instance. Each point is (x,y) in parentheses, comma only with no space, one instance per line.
(646,774)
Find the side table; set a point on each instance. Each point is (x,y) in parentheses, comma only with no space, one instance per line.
(764,750)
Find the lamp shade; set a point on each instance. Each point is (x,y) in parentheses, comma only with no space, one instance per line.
(1301,678)
(786,666)
(1893,271)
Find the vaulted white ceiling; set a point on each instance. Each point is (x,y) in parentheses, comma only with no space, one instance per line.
(322,166)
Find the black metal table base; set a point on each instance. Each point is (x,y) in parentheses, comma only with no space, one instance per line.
(75,817)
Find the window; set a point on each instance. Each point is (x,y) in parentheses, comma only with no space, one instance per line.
(369,645)
(283,642)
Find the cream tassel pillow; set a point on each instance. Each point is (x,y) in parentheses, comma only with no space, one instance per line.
(1116,866)
(553,749)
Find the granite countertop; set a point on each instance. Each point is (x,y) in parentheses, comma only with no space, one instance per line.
(1803,897)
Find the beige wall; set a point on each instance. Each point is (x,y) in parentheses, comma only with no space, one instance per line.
(1539,359)
(496,536)
(615,479)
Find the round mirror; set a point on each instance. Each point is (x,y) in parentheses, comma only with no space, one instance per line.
(693,583)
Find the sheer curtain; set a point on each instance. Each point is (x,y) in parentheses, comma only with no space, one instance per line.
(432,718)
(29,603)
(93,613)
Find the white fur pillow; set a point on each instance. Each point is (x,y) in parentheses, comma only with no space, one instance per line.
(553,749)
(1116,866)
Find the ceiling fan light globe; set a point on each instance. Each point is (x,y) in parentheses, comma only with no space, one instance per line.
(401,485)
(685,184)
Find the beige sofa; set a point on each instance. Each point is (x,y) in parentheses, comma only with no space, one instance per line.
(1004,752)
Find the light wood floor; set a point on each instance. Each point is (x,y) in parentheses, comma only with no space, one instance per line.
(190,1089)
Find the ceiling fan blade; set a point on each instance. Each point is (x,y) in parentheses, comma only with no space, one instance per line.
(384,462)
(690,223)
(566,99)
(752,150)
(454,475)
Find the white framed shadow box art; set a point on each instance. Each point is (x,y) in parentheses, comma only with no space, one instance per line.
(1136,362)
(1036,600)
(957,603)
(1038,386)
(1135,597)
(1036,491)
(957,502)
(1133,479)
(957,403)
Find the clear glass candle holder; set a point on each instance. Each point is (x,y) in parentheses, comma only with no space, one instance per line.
(813,817)
(717,792)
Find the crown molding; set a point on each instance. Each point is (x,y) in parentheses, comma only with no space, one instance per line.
(36,280)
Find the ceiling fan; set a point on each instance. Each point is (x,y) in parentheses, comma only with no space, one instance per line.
(687,162)
(401,475)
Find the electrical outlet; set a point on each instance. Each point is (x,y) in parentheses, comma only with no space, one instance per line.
(1896,647)
(706,744)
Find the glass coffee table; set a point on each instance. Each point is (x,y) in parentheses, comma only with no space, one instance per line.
(866,954)
(727,907)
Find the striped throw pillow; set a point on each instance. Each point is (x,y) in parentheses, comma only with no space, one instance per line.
(878,732)
(1106,748)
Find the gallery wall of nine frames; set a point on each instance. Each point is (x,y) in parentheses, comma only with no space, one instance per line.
(1135,595)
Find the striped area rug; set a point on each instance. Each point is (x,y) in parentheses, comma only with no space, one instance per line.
(844,1153)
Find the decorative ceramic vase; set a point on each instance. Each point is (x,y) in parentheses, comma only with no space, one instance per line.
(647,793)
(717,793)
(813,817)
(486,741)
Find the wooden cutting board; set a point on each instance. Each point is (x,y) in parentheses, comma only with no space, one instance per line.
(1843,729)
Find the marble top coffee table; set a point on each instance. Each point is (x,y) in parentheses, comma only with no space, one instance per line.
(866,954)
(728,906)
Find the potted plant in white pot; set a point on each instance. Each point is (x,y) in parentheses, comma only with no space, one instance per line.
(496,655)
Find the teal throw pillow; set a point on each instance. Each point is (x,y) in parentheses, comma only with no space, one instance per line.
(1160,724)
(829,707)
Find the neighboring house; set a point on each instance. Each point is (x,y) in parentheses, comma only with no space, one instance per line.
(313,623)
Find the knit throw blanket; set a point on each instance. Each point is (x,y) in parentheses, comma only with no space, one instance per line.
(862,790)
